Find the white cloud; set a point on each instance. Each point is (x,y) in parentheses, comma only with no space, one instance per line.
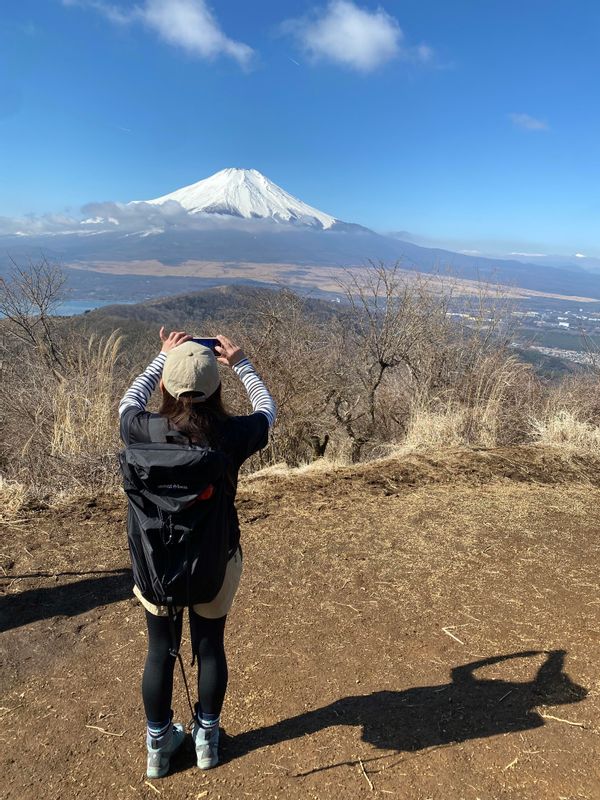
(580,255)
(528,123)
(125,219)
(188,24)
(30,224)
(424,53)
(347,34)
(529,255)
(191,24)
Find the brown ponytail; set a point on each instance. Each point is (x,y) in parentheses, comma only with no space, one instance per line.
(199,421)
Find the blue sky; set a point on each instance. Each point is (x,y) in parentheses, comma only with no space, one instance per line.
(471,123)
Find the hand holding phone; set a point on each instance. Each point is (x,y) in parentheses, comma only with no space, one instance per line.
(173,339)
(227,352)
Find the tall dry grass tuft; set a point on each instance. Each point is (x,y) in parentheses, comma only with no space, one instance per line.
(13,497)
(564,429)
(85,398)
(568,414)
(430,429)
(497,400)
(84,410)
(484,404)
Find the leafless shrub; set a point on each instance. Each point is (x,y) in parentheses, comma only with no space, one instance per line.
(413,358)
(28,298)
(57,389)
(390,327)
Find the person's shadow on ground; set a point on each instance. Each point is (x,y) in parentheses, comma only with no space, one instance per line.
(67,599)
(466,708)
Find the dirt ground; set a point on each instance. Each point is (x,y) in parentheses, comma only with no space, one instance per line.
(416,628)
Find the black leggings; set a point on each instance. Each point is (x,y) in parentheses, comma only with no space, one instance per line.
(157,682)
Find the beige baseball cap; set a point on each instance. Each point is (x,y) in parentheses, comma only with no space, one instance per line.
(191,367)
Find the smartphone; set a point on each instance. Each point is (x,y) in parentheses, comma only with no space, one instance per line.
(206,341)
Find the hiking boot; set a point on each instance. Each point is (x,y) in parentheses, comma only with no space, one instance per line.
(207,745)
(160,750)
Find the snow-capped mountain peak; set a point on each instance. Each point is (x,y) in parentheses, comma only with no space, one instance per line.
(245,193)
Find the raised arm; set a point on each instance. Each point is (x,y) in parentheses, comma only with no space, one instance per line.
(258,394)
(140,391)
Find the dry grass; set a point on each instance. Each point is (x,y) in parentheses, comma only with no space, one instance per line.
(84,401)
(499,381)
(564,429)
(484,409)
(430,430)
(310,468)
(59,428)
(13,498)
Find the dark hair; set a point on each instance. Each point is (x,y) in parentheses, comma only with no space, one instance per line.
(199,421)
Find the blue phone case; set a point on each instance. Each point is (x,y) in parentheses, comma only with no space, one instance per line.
(207,342)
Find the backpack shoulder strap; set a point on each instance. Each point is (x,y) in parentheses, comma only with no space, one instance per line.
(158,428)
(160,432)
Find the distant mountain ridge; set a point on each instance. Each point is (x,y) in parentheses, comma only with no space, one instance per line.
(222,303)
(238,216)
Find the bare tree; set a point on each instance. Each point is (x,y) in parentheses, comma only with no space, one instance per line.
(293,348)
(395,317)
(413,339)
(28,297)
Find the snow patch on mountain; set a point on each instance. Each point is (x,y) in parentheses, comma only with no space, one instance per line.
(244,193)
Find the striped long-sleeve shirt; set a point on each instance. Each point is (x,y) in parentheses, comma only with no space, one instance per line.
(258,393)
(140,391)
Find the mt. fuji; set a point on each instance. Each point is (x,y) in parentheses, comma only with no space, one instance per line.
(245,193)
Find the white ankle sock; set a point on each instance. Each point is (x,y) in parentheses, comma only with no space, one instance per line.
(158,730)
(209,723)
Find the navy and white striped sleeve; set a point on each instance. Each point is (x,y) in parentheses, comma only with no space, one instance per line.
(258,393)
(140,391)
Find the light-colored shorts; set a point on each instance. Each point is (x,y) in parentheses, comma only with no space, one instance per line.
(218,607)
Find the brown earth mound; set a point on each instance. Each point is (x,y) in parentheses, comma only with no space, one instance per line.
(426,627)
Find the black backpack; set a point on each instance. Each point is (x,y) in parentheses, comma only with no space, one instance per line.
(178,518)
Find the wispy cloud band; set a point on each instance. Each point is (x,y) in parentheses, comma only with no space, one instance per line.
(342,31)
(188,24)
(528,123)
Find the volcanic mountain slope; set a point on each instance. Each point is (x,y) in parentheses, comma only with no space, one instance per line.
(415,628)
(248,194)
